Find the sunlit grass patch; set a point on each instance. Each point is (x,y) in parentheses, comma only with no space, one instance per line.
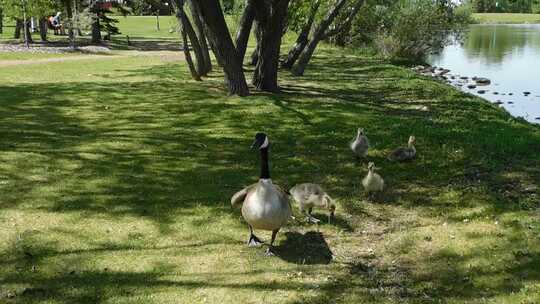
(116,175)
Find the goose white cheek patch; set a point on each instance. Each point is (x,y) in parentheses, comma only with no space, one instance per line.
(265,143)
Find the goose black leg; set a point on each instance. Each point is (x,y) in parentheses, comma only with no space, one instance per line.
(269,249)
(311,219)
(253,240)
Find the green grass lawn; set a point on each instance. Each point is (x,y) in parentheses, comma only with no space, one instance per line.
(145,27)
(116,175)
(31,56)
(7,31)
(507,18)
(137,27)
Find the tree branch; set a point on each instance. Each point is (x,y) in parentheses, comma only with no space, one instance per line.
(348,20)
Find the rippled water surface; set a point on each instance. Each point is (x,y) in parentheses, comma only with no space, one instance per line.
(509,55)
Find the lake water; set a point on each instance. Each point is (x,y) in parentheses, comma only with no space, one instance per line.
(509,55)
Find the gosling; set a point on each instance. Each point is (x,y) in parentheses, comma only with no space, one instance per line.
(360,144)
(310,195)
(373,182)
(404,153)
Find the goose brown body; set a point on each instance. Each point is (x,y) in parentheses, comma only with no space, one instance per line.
(360,144)
(264,205)
(372,182)
(309,195)
(404,153)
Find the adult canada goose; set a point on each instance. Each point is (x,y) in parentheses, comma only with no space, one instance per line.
(373,182)
(360,144)
(264,205)
(404,153)
(310,195)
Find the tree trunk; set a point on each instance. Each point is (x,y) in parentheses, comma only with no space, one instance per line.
(246,22)
(201,34)
(1,21)
(187,55)
(346,25)
(96,30)
(317,36)
(302,39)
(271,19)
(190,32)
(221,39)
(258,36)
(71,33)
(214,48)
(28,35)
(43,28)
(19,25)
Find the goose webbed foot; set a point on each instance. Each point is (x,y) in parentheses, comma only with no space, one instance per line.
(254,241)
(313,220)
(269,252)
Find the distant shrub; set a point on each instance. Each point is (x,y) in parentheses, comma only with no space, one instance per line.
(410,29)
(413,29)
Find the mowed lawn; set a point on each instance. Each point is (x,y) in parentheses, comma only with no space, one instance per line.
(506,18)
(116,175)
(138,28)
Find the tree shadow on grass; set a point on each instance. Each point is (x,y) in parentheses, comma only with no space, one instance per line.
(305,249)
(163,150)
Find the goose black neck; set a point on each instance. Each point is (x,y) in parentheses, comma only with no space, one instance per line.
(265,171)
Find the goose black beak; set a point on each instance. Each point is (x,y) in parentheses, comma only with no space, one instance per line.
(257,143)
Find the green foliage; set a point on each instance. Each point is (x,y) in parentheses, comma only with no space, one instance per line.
(504,6)
(16,8)
(230,6)
(149,7)
(298,14)
(107,24)
(410,29)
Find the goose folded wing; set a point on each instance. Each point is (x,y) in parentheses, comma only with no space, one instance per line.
(397,154)
(238,198)
(284,195)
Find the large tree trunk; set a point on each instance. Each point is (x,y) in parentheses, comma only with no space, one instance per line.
(257,30)
(201,34)
(317,36)
(43,28)
(214,49)
(28,35)
(221,39)
(96,30)
(190,32)
(19,25)
(187,55)
(182,20)
(1,21)
(71,32)
(246,22)
(302,39)
(271,19)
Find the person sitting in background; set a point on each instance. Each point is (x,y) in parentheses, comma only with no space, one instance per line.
(55,24)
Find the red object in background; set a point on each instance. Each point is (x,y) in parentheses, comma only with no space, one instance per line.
(105,5)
